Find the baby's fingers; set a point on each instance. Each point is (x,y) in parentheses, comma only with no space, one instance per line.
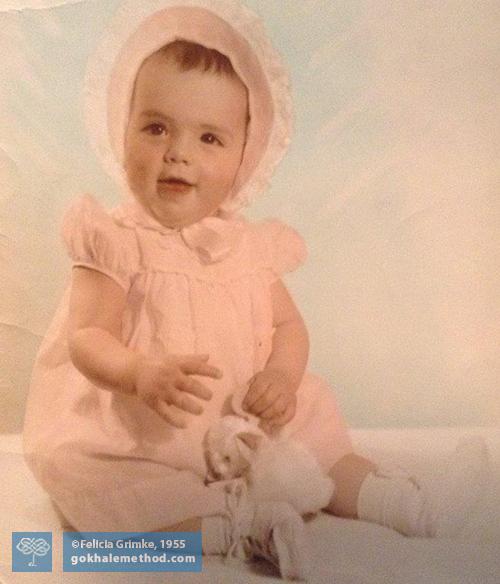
(266,400)
(256,392)
(169,414)
(276,423)
(194,387)
(286,416)
(182,401)
(197,365)
(276,409)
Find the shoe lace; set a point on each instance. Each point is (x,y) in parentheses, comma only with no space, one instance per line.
(236,494)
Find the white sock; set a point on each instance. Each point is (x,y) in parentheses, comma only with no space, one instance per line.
(394,501)
(434,506)
(216,535)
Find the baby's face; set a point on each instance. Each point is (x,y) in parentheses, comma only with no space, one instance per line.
(184,142)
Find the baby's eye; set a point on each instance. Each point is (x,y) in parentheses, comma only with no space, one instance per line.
(211,139)
(156,129)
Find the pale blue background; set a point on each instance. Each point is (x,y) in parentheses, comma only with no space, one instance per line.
(392,178)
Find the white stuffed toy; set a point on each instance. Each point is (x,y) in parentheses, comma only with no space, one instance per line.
(275,469)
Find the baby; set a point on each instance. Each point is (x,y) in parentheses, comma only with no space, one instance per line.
(176,300)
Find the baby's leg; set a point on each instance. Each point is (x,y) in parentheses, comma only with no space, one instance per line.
(434,505)
(102,492)
(318,424)
(348,474)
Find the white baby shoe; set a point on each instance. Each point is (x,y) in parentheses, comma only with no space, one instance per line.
(271,530)
(435,505)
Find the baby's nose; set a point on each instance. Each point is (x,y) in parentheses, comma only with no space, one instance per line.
(177,151)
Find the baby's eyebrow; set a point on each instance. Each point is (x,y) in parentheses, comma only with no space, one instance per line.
(154,114)
(219,130)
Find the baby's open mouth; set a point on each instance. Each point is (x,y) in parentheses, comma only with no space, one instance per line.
(174,184)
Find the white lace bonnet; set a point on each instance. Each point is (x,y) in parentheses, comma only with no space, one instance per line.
(140,28)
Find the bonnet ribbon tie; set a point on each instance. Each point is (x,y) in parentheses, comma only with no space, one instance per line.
(212,238)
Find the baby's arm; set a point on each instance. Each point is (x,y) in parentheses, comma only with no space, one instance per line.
(271,394)
(96,309)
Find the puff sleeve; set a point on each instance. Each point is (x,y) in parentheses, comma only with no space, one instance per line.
(95,241)
(282,249)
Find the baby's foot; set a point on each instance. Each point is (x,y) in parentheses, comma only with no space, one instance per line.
(278,535)
(434,505)
(458,487)
(270,530)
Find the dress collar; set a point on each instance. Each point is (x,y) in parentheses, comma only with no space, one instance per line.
(212,238)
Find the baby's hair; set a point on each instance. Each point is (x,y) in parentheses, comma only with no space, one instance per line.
(188,55)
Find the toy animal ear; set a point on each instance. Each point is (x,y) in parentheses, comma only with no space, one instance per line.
(249,439)
(237,400)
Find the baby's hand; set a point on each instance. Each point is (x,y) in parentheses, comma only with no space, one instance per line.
(271,397)
(161,384)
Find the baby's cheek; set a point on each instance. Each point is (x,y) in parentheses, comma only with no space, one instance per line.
(137,173)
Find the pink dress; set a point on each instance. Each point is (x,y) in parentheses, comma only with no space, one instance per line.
(108,461)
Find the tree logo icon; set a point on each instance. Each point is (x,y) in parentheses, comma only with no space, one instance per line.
(31,552)
(36,547)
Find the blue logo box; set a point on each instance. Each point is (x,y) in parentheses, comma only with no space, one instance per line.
(132,552)
(31,551)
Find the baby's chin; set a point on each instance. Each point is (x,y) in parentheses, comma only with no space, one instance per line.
(172,220)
